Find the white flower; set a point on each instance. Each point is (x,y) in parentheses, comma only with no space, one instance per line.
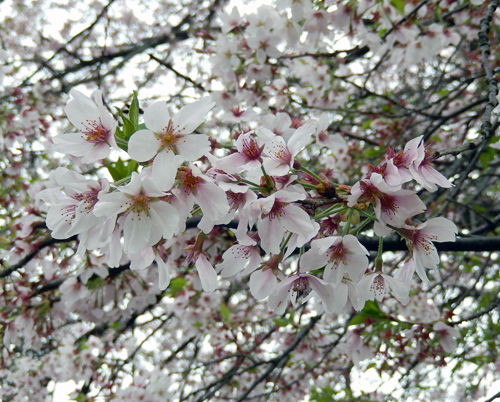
(282,155)
(96,124)
(377,285)
(420,238)
(196,187)
(447,336)
(299,288)
(72,203)
(147,216)
(170,140)
(276,215)
(339,255)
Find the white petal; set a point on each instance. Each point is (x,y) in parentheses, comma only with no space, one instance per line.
(143,145)
(212,200)
(165,217)
(192,115)
(262,283)
(400,290)
(163,273)
(156,117)
(271,233)
(136,232)
(325,293)
(165,169)
(192,147)
(208,276)
(443,229)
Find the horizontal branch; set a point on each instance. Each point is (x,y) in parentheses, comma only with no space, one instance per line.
(477,244)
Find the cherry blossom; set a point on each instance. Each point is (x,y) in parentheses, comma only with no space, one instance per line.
(248,156)
(420,238)
(340,255)
(377,285)
(96,124)
(148,217)
(170,141)
(423,172)
(72,203)
(447,336)
(391,207)
(276,214)
(299,288)
(195,187)
(281,155)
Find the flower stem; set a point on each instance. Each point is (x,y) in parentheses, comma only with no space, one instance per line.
(329,211)
(311,173)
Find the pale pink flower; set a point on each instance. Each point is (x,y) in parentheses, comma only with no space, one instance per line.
(239,257)
(355,348)
(391,208)
(248,156)
(447,336)
(276,214)
(170,140)
(194,187)
(277,124)
(376,285)
(299,288)
(96,124)
(423,172)
(419,239)
(496,145)
(148,217)
(339,255)
(72,203)
(264,43)
(282,155)
(332,141)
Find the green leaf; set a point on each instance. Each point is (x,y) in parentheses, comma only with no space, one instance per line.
(224,311)
(357,319)
(371,310)
(398,5)
(83,344)
(80,398)
(176,285)
(94,283)
(372,152)
(133,113)
(281,322)
(120,170)
(487,156)
(128,127)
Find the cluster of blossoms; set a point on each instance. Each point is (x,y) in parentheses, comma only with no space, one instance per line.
(263,185)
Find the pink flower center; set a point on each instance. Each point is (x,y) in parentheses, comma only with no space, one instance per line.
(139,203)
(336,254)
(301,288)
(369,190)
(388,204)
(378,285)
(89,198)
(190,182)
(277,209)
(169,138)
(235,199)
(250,149)
(95,133)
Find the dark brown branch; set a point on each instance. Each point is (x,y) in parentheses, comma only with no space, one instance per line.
(9,270)
(486,130)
